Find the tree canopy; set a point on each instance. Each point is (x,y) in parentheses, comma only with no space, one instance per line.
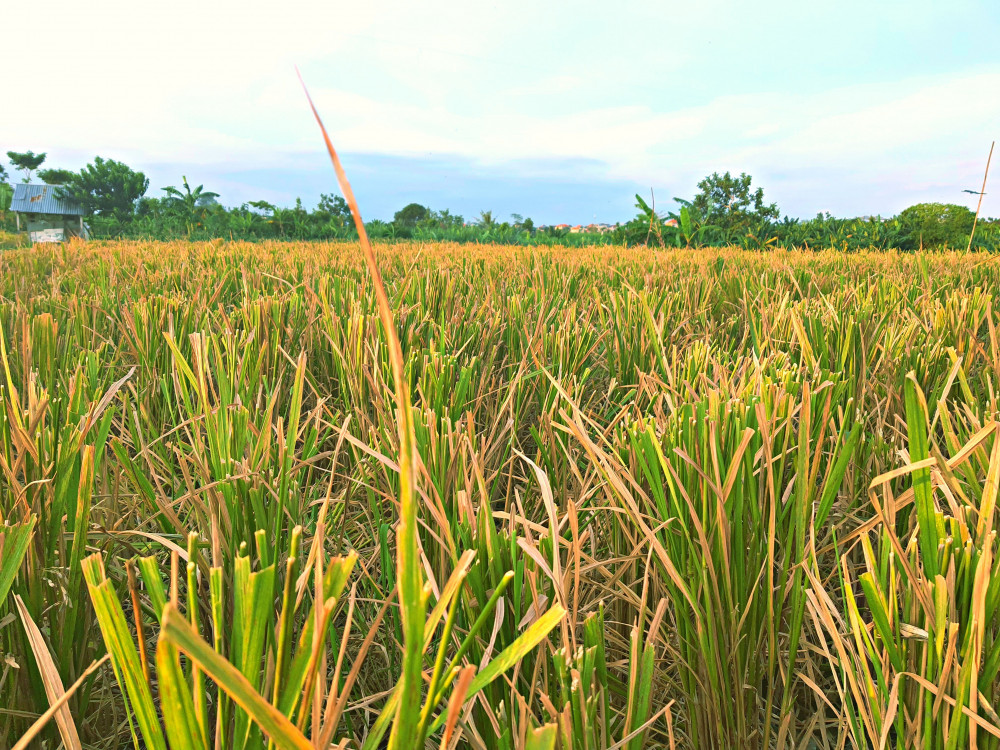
(26,162)
(336,208)
(411,215)
(936,224)
(108,188)
(730,203)
(56,176)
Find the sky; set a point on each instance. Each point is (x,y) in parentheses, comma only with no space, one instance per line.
(558,111)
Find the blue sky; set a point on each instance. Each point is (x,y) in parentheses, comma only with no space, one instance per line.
(558,111)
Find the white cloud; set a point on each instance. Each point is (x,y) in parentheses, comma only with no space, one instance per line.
(212,83)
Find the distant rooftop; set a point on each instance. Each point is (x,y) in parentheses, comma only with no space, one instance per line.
(42,199)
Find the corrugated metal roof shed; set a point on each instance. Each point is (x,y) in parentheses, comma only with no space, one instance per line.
(42,199)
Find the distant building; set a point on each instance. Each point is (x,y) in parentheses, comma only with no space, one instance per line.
(47,217)
(670,223)
(601,228)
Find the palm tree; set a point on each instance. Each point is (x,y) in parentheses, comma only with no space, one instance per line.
(486,219)
(188,201)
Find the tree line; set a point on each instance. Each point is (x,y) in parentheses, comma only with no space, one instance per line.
(726,210)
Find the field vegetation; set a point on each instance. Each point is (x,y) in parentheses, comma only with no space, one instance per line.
(727,210)
(656,497)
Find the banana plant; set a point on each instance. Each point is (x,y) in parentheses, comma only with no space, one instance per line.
(690,224)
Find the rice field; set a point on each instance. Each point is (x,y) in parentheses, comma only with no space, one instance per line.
(530,498)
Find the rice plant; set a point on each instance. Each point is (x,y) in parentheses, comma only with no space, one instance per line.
(602,498)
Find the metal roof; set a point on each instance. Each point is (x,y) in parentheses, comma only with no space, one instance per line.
(43,199)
